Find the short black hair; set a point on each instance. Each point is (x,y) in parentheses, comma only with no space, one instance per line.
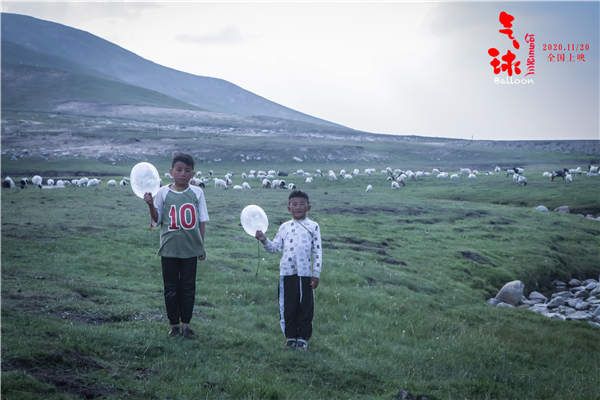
(298,193)
(184,158)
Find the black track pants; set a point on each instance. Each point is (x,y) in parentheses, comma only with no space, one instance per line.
(296,306)
(179,277)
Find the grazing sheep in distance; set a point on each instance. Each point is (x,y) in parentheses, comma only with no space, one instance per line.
(238,187)
(123,182)
(8,183)
(60,183)
(220,183)
(369,188)
(37,180)
(291,186)
(547,174)
(308,179)
(559,174)
(111,182)
(395,185)
(266,183)
(472,176)
(568,178)
(93,182)
(454,176)
(246,186)
(521,180)
(50,182)
(23,183)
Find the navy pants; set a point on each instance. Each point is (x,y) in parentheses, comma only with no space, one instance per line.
(179,278)
(296,306)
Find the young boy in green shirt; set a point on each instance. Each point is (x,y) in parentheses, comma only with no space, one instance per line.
(180,210)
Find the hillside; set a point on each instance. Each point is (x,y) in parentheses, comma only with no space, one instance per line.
(100,57)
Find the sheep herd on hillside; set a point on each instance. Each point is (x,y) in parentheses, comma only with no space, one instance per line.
(271,179)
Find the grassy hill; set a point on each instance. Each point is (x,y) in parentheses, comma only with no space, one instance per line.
(56,41)
(401,303)
(37,88)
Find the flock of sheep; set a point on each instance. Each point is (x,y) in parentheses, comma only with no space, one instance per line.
(277,179)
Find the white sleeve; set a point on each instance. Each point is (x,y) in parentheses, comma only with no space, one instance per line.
(159,201)
(201,205)
(276,244)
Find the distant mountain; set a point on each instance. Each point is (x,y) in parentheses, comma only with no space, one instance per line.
(51,46)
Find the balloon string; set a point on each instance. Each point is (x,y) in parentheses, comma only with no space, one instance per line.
(257,257)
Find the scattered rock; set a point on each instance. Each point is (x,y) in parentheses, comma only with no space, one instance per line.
(537,296)
(580,303)
(511,293)
(563,209)
(574,282)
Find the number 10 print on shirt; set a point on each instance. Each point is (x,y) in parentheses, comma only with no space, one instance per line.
(184,218)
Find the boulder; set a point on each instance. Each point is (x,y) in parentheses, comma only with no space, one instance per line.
(504,305)
(574,282)
(492,301)
(511,293)
(537,296)
(579,316)
(556,301)
(563,209)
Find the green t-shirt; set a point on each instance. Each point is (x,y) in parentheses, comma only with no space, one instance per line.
(180,214)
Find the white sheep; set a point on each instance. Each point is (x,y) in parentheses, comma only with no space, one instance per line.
(331,176)
(291,186)
(568,178)
(395,185)
(308,179)
(220,183)
(60,183)
(8,183)
(111,182)
(93,182)
(246,186)
(369,188)
(442,175)
(37,180)
(123,182)
(355,171)
(472,176)
(547,174)
(521,180)
(266,183)
(454,176)
(50,182)
(238,187)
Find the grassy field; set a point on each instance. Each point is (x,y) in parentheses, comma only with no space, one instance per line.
(401,303)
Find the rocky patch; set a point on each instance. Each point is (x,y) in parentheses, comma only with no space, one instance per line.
(576,300)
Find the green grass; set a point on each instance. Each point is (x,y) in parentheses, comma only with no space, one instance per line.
(401,302)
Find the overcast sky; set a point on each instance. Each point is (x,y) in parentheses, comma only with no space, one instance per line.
(402,68)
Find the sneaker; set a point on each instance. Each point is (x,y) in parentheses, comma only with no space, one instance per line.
(302,344)
(290,343)
(174,331)
(188,333)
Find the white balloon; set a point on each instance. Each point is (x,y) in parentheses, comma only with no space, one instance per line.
(254,219)
(144,178)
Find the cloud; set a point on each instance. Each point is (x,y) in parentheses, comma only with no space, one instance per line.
(228,35)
